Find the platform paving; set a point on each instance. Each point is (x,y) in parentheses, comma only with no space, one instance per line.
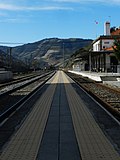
(59,140)
(25,143)
(60,127)
(99,76)
(93,144)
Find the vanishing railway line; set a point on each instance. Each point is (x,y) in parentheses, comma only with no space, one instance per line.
(16,104)
(19,78)
(59,119)
(13,95)
(108,97)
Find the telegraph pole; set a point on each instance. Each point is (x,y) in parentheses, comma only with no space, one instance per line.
(63,56)
(10,62)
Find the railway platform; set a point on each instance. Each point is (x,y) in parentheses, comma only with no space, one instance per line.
(99,76)
(110,79)
(59,127)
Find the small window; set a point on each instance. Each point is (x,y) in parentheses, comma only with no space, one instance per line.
(106,42)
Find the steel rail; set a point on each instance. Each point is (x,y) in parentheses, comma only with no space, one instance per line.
(12,109)
(88,85)
(14,81)
(23,85)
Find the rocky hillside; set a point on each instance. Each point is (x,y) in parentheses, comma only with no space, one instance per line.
(48,51)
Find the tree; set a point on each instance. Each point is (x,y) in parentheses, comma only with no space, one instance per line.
(112,29)
(116,49)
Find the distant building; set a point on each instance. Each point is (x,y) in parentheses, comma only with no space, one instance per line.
(104,42)
(107,40)
(102,56)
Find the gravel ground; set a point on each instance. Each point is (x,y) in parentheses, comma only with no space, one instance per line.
(114,84)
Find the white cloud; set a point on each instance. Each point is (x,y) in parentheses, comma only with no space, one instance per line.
(9,7)
(29,8)
(14,20)
(23,6)
(87,1)
(25,2)
(49,8)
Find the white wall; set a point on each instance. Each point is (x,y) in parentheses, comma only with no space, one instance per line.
(79,66)
(76,67)
(106,43)
(96,46)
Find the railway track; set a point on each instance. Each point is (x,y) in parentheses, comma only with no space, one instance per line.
(18,79)
(16,94)
(17,104)
(108,97)
(49,113)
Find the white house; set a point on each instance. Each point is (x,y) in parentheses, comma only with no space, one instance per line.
(102,56)
(105,41)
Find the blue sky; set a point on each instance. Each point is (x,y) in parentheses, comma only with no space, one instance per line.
(25,21)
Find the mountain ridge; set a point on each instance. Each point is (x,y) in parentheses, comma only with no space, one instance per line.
(48,51)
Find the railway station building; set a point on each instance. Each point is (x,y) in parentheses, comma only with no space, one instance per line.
(101,58)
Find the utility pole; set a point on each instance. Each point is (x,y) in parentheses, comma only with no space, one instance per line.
(10,63)
(63,56)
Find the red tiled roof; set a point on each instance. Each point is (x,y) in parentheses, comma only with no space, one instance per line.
(110,49)
(116,32)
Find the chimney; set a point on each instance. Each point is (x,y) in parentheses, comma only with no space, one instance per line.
(107,28)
